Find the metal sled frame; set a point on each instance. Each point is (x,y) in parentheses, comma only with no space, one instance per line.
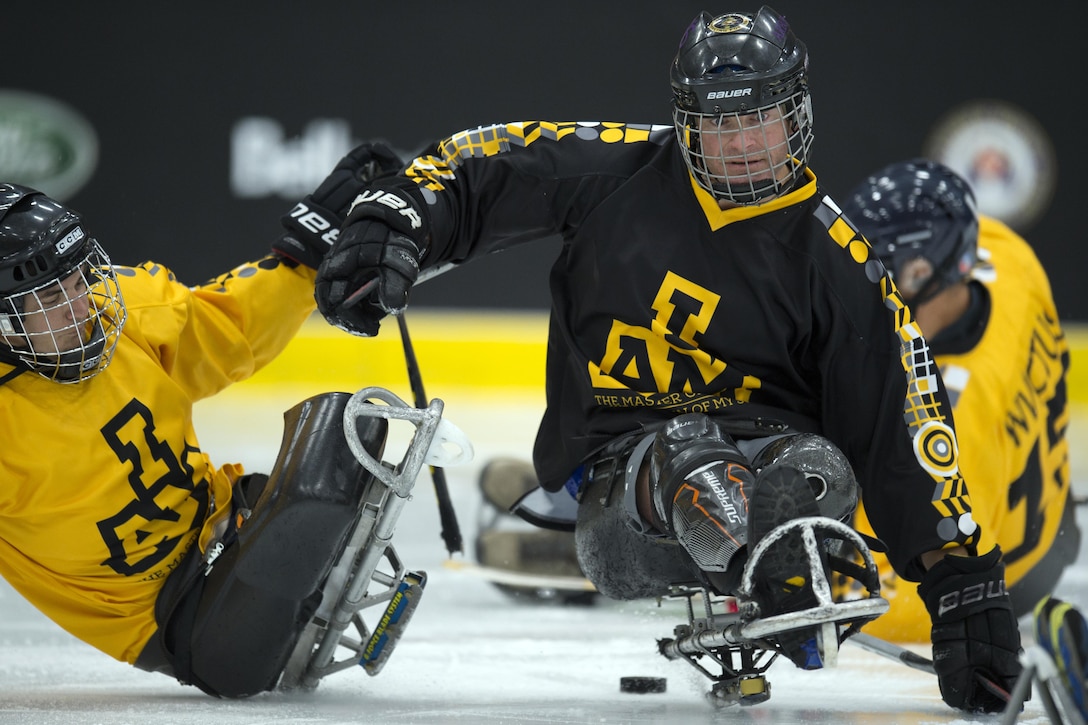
(368,572)
(1041,673)
(736,638)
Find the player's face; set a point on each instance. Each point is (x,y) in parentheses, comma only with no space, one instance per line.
(54,318)
(912,277)
(747,148)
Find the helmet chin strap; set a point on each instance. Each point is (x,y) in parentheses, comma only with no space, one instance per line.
(66,367)
(750,193)
(756,192)
(71,364)
(18,365)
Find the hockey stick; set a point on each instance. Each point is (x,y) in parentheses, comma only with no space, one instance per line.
(451,531)
(892,652)
(360,294)
(917,661)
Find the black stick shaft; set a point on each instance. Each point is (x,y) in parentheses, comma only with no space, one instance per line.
(918,662)
(451,530)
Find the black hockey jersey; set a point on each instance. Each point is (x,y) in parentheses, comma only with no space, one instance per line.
(662,303)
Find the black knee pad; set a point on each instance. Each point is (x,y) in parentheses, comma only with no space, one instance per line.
(244,632)
(824,465)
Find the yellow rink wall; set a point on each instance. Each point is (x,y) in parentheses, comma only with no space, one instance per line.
(488,353)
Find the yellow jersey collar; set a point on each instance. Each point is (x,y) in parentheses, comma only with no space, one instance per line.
(718,217)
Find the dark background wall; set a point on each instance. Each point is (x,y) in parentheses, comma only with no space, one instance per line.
(211,117)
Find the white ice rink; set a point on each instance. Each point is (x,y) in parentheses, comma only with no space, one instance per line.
(470,654)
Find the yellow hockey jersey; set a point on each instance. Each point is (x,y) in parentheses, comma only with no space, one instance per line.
(105,487)
(1010,407)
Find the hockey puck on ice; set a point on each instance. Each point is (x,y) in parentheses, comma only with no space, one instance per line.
(642,685)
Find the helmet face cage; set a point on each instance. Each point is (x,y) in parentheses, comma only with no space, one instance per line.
(741,105)
(921,220)
(750,157)
(66,329)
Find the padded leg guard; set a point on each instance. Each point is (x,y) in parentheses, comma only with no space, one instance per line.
(624,563)
(262,591)
(826,468)
(310,502)
(701,483)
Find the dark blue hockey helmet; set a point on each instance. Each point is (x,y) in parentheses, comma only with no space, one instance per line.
(922,221)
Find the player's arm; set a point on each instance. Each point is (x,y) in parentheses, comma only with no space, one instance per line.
(904,437)
(476,192)
(224,330)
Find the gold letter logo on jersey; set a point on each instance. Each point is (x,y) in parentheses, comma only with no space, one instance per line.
(649,362)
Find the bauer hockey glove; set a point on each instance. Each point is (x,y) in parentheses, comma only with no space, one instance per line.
(374,263)
(976,641)
(314,223)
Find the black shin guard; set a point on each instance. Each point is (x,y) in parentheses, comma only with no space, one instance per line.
(700,483)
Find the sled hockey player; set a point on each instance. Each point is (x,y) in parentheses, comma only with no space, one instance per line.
(982,299)
(716,327)
(1055,664)
(113,522)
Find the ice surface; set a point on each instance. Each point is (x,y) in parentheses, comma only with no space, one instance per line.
(470,654)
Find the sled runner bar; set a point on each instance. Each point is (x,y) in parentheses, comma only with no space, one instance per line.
(712,635)
(733,633)
(392,623)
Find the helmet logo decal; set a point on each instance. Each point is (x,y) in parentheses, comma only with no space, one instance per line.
(69,240)
(734,93)
(731,23)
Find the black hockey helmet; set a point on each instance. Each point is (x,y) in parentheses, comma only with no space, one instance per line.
(735,65)
(42,243)
(922,221)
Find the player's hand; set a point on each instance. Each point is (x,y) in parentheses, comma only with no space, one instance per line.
(374,263)
(313,225)
(976,640)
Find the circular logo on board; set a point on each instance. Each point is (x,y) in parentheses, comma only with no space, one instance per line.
(1004,154)
(45,144)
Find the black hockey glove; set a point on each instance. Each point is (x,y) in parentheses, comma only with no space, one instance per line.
(374,263)
(975,636)
(314,223)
